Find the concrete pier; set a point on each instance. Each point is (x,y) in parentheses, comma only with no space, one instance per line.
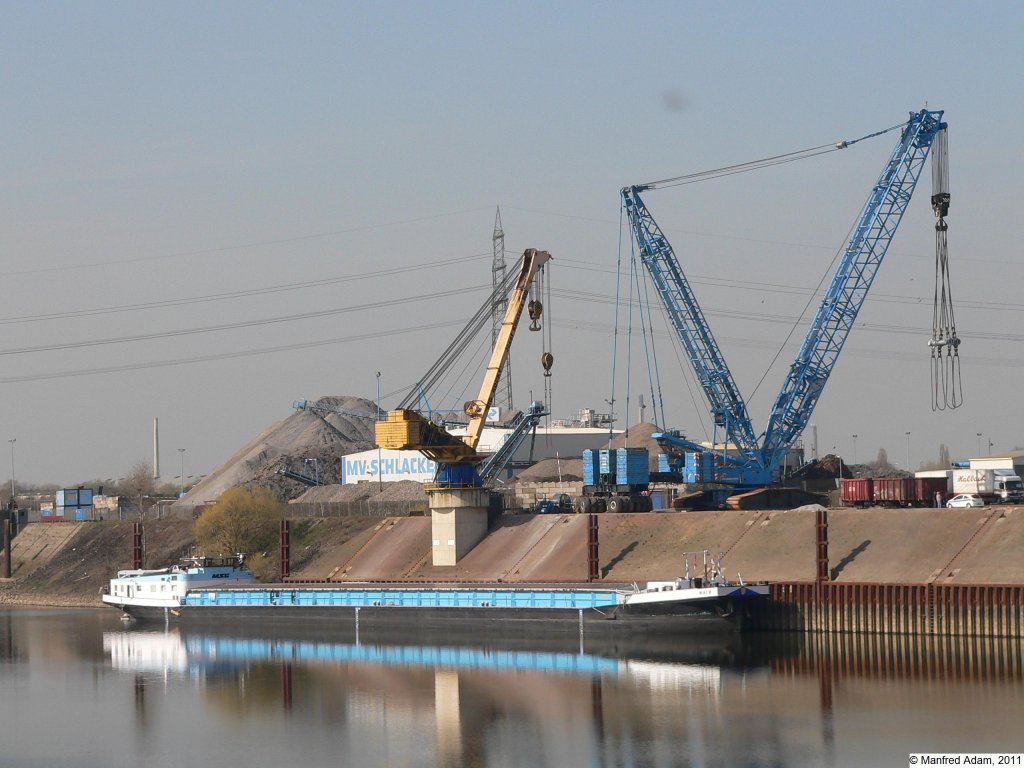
(458,522)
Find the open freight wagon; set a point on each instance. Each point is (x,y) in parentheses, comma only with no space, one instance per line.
(892,491)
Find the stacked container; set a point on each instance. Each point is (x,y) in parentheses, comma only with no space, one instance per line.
(632,467)
(591,466)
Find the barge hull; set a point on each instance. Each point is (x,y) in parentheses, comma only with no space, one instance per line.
(700,619)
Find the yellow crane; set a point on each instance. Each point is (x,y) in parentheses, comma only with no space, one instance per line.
(457,458)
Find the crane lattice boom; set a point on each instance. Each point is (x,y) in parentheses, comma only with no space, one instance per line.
(760,455)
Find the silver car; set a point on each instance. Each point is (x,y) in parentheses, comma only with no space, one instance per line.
(966,500)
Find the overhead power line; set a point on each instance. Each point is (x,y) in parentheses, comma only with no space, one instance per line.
(224,355)
(72,314)
(238,246)
(564,294)
(231,326)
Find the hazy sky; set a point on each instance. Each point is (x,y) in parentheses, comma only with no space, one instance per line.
(211,210)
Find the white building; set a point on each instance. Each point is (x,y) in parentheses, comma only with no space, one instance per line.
(1012,461)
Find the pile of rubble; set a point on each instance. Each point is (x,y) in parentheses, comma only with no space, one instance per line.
(401,490)
(310,441)
(826,468)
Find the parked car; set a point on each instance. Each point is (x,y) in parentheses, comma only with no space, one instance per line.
(966,500)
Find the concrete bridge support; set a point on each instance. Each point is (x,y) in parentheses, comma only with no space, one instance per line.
(458,522)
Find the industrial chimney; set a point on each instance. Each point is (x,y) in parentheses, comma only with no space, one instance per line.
(156,448)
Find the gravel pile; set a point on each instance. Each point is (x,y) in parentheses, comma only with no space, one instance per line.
(336,493)
(401,490)
(552,470)
(337,426)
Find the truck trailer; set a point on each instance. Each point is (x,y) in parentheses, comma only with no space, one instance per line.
(995,486)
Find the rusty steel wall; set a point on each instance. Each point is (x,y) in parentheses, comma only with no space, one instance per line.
(991,610)
(896,657)
(285,559)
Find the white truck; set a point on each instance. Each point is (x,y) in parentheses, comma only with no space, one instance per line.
(995,486)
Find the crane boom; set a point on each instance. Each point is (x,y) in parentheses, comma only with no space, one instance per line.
(761,455)
(727,405)
(456,457)
(849,285)
(532,261)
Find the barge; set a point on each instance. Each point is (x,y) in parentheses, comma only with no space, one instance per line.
(220,591)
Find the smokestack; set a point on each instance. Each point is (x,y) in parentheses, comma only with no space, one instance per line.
(156,448)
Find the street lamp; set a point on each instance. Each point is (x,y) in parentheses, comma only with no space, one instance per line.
(979,444)
(908,452)
(181,453)
(13,496)
(854,449)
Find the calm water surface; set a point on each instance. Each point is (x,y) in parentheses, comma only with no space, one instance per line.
(82,689)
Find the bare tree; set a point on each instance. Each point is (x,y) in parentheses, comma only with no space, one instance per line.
(943,462)
(139,486)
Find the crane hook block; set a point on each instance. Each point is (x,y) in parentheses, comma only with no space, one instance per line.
(547,360)
(473,408)
(535,308)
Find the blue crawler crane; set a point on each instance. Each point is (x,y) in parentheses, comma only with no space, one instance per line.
(750,460)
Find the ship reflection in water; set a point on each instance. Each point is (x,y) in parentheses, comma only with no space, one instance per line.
(758,700)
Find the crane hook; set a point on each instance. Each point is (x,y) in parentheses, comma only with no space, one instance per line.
(473,408)
(547,360)
(535,308)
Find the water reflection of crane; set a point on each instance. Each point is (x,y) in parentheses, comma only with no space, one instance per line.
(604,706)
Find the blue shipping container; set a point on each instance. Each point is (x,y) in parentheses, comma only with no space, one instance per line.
(590,467)
(631,466)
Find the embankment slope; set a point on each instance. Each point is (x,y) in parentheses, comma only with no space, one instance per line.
(58,564)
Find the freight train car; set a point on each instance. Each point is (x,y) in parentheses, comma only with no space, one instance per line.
(892,491)
(857,491)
